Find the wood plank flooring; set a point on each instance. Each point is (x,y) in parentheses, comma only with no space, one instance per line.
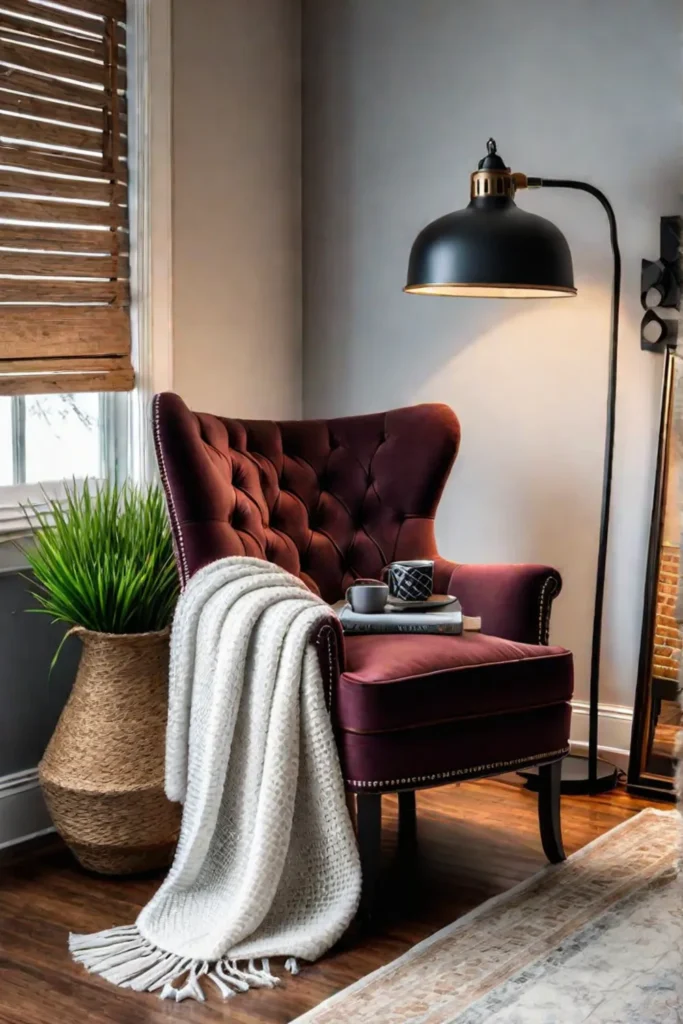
(475,840)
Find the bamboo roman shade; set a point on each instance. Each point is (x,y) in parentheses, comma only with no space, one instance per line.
(64,318)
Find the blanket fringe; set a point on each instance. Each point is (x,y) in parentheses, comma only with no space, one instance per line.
(125,958)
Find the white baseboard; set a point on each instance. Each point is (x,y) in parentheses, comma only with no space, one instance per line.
(23,814)
(614,731)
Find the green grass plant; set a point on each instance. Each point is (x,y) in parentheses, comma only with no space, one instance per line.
(103,559)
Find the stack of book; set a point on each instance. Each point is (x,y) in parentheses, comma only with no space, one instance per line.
(449,620)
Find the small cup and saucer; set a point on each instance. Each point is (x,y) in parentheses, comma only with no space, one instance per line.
(368,597)
(409,586)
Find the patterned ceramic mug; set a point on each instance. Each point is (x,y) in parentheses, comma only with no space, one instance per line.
(411,580)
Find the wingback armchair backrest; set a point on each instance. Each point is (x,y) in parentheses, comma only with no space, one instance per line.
(329,500)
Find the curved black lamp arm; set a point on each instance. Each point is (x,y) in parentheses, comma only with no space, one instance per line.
(608,461)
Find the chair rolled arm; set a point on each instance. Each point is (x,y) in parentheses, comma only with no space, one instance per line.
(329,644)
(514,601)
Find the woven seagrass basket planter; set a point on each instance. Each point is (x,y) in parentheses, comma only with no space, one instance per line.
(102,774)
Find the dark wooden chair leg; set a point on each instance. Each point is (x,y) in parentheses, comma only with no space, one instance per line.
(351,808)
(369,832)
(549,778)
(407,819)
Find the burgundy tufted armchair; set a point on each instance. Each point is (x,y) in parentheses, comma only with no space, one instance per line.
(334,500)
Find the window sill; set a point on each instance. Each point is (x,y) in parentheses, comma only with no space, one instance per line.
(16,518)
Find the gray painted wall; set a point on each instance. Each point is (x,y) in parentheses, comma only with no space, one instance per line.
(237,206)
(31,699)
(399,99)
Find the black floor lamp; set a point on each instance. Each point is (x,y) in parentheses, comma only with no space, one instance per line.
(492,249)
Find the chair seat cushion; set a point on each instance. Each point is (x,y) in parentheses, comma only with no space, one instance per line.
(403,681)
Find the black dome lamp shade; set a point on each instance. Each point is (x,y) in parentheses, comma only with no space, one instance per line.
(491,249)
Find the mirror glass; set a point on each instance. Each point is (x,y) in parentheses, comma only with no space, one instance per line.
(657,720)
(665,712)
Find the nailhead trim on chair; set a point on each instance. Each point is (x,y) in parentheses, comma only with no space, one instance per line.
(177,534)
(544,612)
(327,633)
(459,772)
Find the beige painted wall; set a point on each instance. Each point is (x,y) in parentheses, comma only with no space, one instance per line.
(237,209)
(399,100)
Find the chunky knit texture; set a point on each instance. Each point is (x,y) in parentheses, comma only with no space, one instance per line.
(266,863)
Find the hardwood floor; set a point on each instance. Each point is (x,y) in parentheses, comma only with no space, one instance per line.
(475,840)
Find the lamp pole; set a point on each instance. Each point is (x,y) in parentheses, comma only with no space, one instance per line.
(602,775)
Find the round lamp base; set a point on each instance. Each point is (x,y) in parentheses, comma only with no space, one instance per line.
(575,781)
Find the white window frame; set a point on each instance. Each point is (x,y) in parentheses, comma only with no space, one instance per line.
(125,422)
(150,197)
(113,429)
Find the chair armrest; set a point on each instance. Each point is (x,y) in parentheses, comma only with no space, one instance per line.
(329,644)
(514,601)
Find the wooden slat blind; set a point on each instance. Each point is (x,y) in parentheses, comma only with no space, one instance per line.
(64,318)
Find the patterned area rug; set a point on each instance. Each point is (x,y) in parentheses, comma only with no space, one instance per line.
(596,940)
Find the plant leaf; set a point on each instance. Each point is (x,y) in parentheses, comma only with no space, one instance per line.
(103,559)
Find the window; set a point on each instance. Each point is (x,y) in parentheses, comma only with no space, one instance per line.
(64,319)
(54,437)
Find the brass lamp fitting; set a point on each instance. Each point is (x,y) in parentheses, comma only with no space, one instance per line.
(493,178)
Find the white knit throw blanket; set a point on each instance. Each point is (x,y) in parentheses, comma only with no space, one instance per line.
(266,863)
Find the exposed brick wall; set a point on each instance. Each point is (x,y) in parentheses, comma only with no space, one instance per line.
(667,645)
